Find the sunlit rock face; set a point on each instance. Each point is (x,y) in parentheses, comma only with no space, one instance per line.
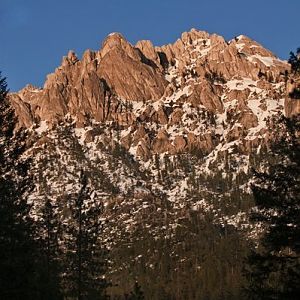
(201,92)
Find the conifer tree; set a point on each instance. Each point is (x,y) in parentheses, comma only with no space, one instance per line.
(294,60)
(19,255)
(136,294)
(274,267)
(85,258)
(49,230)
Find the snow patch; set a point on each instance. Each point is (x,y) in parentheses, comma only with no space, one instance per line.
(266,60)
(242,84)
(240,46)
(42,128)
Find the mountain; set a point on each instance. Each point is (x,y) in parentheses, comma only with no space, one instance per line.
(168,136)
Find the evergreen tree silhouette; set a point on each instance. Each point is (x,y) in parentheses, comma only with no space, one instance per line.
(85,258)
(136,294)
(49,227)
(294,60)
(274,267)
(19,255)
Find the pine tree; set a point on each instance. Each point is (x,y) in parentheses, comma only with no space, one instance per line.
(136,294)
(85,258)
(49,227)
(274,267)
(19,255)
(294,60)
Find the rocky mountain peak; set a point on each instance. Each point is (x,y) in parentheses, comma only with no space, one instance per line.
(116,41)
(201,92)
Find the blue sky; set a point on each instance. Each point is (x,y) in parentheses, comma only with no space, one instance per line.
(35,34)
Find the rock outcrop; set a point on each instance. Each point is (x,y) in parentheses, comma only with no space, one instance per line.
(194,95)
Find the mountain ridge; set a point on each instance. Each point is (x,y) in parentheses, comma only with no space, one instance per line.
(134,85)
(167,137)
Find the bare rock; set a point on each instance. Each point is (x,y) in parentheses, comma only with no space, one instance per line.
(175,117)
(161,143)
(179,143)
(150,55)
(25,116)
(206,94)
(139,134)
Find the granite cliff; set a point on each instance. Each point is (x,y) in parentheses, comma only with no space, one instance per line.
(199,92)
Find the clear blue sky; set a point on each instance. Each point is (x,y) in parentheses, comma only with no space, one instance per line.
(35,34)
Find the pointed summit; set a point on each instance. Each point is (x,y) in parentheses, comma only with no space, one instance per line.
(115,40)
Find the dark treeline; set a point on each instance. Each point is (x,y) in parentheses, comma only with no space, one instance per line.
(273,268)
